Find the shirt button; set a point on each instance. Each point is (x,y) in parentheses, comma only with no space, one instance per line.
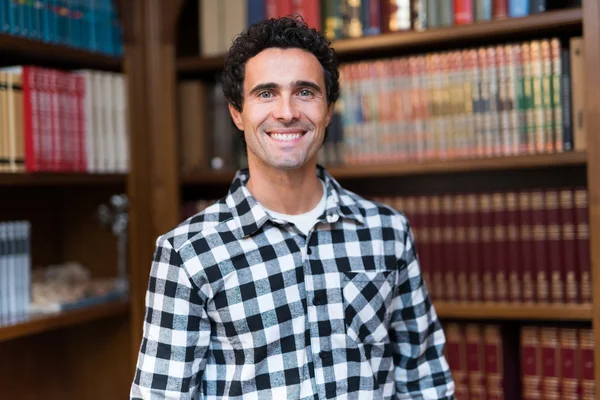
(317,301)
(325,355)
(308,251)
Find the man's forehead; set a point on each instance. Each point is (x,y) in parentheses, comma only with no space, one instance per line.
(283,67)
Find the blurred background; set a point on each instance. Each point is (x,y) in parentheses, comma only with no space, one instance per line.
(476,118)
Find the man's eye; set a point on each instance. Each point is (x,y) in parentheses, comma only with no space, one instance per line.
(306,92)
(264,95)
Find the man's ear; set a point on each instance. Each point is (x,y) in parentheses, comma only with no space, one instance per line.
(237,117)
(330,108)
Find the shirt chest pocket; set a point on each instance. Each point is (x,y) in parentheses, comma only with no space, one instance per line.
(367,298)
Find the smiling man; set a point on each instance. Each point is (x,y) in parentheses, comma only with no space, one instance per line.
(290,287)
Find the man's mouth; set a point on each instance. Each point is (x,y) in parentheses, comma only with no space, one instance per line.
(286,135)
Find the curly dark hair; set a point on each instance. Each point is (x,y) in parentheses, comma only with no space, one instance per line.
(285,32)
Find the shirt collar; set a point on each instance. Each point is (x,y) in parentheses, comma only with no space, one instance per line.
(250,215)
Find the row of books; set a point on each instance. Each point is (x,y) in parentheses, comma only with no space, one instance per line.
(511,99)
(63,121)
(528,246)
(220,21)
(543,362)
(15,268)
(85,24)
(481,102)
(518,247)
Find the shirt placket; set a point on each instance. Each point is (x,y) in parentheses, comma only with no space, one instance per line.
(316,287)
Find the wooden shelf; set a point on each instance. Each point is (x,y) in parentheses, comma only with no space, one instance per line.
(550,312)
(58,179)
(508,29)
(21,50)
(49,322)
(415,168)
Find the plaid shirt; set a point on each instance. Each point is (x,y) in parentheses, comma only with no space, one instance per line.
(243,305)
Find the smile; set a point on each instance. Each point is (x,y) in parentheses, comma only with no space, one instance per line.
(287,136)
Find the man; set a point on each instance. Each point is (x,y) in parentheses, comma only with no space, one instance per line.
(290,287)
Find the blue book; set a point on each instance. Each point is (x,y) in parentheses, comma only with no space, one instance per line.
(4,27)
(256,11)
(518,8)
(91,23)
(14,17)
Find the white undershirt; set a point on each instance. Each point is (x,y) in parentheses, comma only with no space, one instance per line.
(305,221)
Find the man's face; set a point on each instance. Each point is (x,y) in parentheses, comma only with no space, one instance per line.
(285,111)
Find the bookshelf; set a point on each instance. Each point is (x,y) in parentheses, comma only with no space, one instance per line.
(538,161)
(156,176)
(38,324)
(58,179)
(403,42)
(84,352)
(26,50)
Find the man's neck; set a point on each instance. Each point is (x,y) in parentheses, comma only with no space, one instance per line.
(289,192)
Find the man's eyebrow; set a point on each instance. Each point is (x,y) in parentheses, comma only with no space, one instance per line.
(295,84)
(309,84)
(264,86)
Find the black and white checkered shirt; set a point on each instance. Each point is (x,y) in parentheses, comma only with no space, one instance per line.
(241,305)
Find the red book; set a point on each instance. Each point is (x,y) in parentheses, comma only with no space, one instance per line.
(57,137)
(550,363)
(494,363)
(500,9)
(271,9)
(569,363)
(540,246)
(284,8)
(554,241)
(531,368)
(487,247)
(310,10)
(461,247)
(448,249)
(588,383)
(463,12)
(515,284)
(438,264)
(526,239)
(568,246)
(473,242)
(424,238)
(500,240)
(583,243)
(457,359)
(31,117)
(81,120)
(475,362)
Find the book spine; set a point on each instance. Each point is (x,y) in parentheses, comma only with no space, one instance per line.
(526,239)
(588,383)
(501,246)
(494,363)
(540,246)
(550,363)
(463,12)
(531,367)
(583,245)
(515,284)
(554,240)
(569,363)
(475,362)
(568,246)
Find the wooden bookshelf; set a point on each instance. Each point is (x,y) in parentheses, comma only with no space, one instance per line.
(421,168)
(59,179)
(547,312)
(538,24)
(48,322)
(17,49)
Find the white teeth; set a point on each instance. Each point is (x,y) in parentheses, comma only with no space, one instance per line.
(285,136)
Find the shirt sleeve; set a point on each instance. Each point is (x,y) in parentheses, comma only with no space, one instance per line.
(421,370)
(176,332)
